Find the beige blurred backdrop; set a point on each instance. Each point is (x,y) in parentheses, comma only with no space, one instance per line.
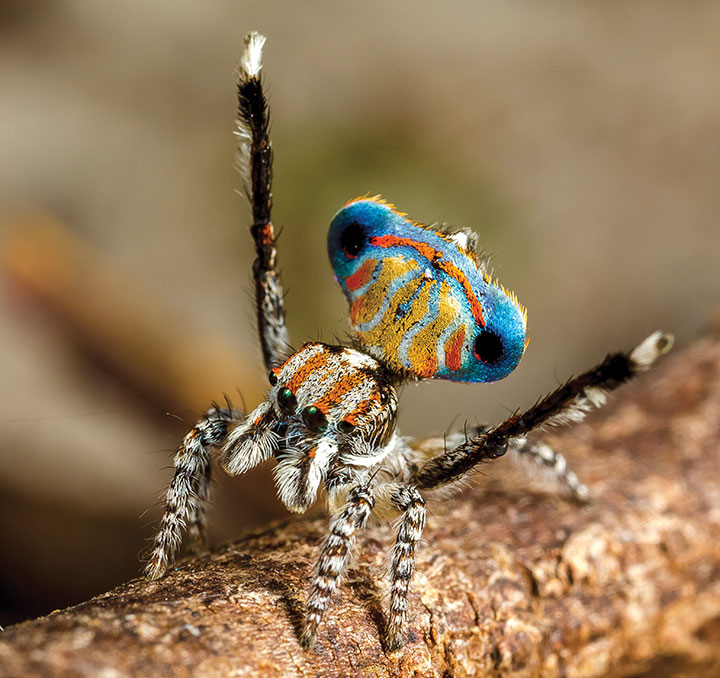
(581,140)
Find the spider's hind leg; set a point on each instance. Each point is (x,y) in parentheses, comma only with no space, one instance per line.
(187,496)
(541,454)
(568,403)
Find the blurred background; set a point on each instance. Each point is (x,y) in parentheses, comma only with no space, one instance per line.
(581,140)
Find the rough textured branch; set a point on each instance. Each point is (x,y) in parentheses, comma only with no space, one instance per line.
(511,580)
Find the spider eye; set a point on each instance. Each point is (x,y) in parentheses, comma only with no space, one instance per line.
(488,347)
(272,378)
(345,426)
(353,239)
(314,419)
(286,400)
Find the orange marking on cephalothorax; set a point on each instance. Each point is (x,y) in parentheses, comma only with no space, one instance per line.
(311,453)
(364,408)
(339,390)
(360,277)
(315,362)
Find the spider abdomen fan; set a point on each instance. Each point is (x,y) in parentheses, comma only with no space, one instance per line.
(420,299)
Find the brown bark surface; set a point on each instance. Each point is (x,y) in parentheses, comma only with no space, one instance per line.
(512,580)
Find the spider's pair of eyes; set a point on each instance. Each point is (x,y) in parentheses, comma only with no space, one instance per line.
(313,417)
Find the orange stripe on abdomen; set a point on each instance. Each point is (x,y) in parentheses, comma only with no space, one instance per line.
(453,348)
(435,257)
(361,276)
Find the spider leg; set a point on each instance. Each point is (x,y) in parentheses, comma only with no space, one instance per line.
(543,455)
(333,558)
(569,402)
(187,495)
(535,453)
(197,510)
(402,565)
(255,164)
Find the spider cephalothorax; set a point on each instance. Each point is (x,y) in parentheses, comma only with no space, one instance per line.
(422,306)
(328,407)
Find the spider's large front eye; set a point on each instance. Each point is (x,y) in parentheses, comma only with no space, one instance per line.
(353,239)
(488,347)
(345,426)
(286,400)
(314,419)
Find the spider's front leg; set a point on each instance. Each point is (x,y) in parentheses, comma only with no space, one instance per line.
(187,496)
(333,558)
(410,502)
(243,444)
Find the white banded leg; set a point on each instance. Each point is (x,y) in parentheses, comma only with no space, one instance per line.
(333,558)
(187,495)
(402,565)
(543,455)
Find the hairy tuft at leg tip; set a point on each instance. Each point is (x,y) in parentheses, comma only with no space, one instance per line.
(251,60)
(646,353)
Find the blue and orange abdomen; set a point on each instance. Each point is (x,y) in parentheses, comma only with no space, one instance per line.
(420,300)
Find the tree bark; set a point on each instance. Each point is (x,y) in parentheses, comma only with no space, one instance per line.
(512,580)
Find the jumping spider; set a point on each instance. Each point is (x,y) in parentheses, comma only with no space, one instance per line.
(421,306)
